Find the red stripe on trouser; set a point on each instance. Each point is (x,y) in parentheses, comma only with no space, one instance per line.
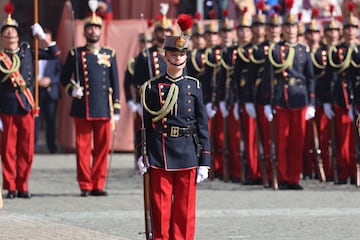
(265,137)
(251,144)
(290,134)
(324,128)
(173,202)
(17,150)
(92,177)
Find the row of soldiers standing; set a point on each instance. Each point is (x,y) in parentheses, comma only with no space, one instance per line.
(266,87)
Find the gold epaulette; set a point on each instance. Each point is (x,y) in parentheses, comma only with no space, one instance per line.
(112,50)
(194,79)
(131,67)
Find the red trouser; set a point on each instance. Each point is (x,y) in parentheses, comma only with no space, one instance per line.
(17,150)
(173,203)
(344,133)
(324,128)
(265,131)
(251,144)
(290,134)
(217,129)
(92,177)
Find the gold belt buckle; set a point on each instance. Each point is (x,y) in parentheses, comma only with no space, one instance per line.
(174,131)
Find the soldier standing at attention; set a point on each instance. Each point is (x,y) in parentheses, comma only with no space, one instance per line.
(17,107)
(178,149)
(289,77)
(96,99)
(256,70)
(341,70)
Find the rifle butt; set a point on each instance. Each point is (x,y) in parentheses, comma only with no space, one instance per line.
(357,184)
(147,207)
(226,151)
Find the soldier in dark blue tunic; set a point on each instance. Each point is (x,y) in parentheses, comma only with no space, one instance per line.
(96,101)
(17,106)
(178,149)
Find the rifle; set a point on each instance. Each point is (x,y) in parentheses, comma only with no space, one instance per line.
(242,150)
(146,178)
(262,162)
(273,150)
(213,103)
(226,130)
(317,153)
(357,147)
(332,151)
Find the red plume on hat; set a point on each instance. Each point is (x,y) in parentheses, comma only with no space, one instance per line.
(184,21)
(289,5)
(331,9)
(351,6)
(226,13)
(299,16)
(314,13)
(277,8)
(260,5)
(198,16)
(244,10)
(212,14)
(9,8)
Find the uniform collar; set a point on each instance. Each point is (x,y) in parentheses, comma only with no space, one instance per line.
(291,44)
(172,79)
(8,51)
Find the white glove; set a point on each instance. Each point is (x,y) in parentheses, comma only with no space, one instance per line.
(1,125)
(132,106)
(310,112)
(38,30)
(250,109)
(116,117)
(210,111)
(268,113)
(77,92)
(139,109)
(236,111)
(223,109)
(202,174)
(141,166)
(328,110)
(351,114)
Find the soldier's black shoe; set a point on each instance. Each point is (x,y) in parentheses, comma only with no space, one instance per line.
(329,179)
(235,180)
(11,194)
(295,186)
(98,193)
(283,186)
(342,181)
(84,193)
(24,195)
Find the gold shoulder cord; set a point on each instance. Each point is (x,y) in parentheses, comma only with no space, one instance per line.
(254,60)
(343,65)
(286,64)
(194,63)
(242,56)
(358,123)
(15,67)
(313,59)
(169,104)
(213,65)
(353,62)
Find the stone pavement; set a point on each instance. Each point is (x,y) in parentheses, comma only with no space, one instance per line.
(224,210)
